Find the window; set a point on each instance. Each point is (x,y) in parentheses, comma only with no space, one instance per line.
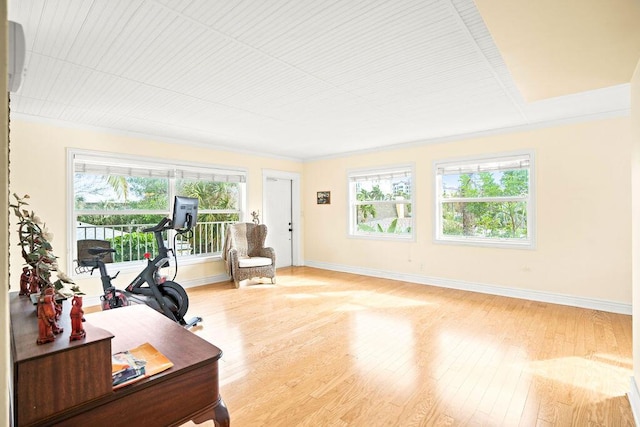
(381,202)
(485,201)
(114,198)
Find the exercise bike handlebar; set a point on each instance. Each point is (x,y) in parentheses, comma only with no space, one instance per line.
(161,226)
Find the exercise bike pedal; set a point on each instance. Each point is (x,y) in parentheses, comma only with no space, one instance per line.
(191,323)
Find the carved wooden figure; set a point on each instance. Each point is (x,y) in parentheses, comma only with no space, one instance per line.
(57,306)
(34,283)
(45,316)
(77,313)
(54,309)
(25,277)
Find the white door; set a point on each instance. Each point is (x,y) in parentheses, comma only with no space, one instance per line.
(277,217)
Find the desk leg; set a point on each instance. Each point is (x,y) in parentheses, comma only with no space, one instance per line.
(217,412)
(221,414)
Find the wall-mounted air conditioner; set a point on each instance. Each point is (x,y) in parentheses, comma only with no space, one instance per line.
(16,56)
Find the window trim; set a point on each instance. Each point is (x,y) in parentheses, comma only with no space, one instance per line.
(72,153)
(381,171)
(528,244)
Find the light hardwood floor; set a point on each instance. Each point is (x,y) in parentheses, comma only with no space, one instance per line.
(323,348)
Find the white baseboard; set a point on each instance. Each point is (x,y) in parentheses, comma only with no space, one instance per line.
(203,280)
(549,297)
(88,301)
(634,400)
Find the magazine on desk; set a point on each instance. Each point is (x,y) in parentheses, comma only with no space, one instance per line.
(137,363)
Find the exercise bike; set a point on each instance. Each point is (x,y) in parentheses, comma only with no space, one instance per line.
(149,287)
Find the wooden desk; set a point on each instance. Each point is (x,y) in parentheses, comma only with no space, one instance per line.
(69,383)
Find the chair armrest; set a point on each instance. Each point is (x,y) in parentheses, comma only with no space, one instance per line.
(267,253)
(233,257)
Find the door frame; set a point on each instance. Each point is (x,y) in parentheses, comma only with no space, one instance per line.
(296,213)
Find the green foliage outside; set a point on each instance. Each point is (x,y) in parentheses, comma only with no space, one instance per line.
(496,219)
(367,214)
(133,246)
(210,195)
(136,193)
(392,228)
(126,193)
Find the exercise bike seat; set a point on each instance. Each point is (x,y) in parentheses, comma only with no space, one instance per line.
(97,253)
(100,251)
(91,251)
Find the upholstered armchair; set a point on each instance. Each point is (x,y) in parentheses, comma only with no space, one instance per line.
(245,255)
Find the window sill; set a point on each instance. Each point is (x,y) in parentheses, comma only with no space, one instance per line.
(485,243)
(383,237)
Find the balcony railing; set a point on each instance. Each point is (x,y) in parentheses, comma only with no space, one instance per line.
(131,243)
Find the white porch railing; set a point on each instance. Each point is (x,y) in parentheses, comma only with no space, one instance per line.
(131,243)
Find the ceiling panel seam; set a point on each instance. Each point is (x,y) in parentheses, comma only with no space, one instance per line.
(517,105)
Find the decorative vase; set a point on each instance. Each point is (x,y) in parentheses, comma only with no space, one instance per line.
(77,313)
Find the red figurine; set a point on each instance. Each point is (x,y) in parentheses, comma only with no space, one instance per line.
(34,283)
(46,314)
(77,330)
(25,277)
(57,306)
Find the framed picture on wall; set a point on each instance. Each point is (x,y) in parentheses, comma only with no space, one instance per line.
(324,197)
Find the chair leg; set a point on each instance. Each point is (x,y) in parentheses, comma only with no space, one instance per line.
(273,280)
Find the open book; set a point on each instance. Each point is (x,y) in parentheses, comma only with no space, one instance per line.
(140,362)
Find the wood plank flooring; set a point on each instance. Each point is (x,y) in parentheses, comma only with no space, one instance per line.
(323,348)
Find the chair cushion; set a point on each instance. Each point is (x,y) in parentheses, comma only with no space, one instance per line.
(255,261)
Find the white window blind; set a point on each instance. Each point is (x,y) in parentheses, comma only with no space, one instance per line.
(104,165)
(489,165)
(379,175)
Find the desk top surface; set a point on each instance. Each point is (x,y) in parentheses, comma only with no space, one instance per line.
(136,324)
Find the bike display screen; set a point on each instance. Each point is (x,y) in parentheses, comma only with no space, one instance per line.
(185,213)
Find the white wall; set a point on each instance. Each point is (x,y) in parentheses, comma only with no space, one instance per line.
(583,216)
(635,162)
(4,258)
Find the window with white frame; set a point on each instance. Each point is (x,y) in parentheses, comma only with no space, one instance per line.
(381,202)
(116,197)
(486,201)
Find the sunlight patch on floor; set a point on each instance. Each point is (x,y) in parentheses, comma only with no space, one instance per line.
(350,307)
(600,377)
(384,342)
(366,299)
(301,296)
(626,362)
(299,283)
(254,285)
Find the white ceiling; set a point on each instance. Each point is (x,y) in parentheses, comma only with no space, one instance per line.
(302,79)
